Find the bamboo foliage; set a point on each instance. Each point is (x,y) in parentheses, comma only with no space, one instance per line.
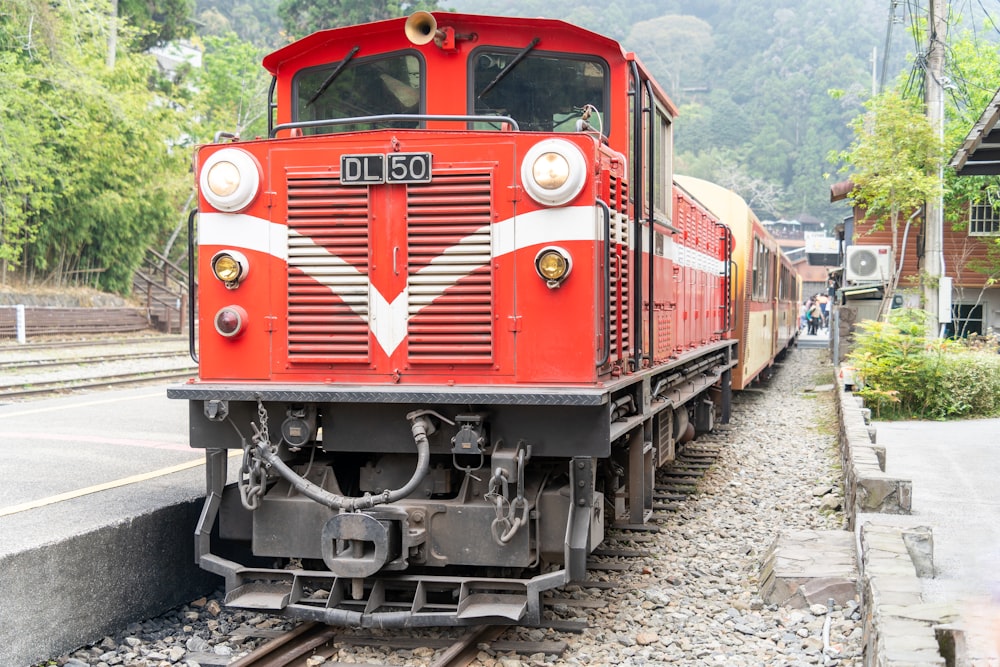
(87,175)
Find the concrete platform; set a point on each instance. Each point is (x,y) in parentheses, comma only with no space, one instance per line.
(817,340)
(955,470)
(97,510)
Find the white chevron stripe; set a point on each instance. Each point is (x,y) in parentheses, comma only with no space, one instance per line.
(238,230)
(387,320)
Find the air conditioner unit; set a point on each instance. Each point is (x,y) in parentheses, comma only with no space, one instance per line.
(869,264)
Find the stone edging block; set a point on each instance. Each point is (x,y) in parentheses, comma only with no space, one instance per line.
(867,487)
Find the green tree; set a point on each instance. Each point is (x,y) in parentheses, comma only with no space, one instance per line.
(26,162)
(254,21)
(90,175)
(302,17)
(158,21)
(675,49)
(893,162)
(971,67)
(233,88)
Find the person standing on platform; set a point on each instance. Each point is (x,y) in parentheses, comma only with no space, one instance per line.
(815,316)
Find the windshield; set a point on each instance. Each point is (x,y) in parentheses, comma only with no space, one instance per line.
(542,92)
(387,84)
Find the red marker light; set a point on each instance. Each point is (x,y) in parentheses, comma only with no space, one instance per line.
(230,321)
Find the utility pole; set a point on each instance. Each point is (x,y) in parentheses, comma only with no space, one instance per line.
(933,265)
(874,77)
(112,36)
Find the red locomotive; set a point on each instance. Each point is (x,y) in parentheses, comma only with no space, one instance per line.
(453,314)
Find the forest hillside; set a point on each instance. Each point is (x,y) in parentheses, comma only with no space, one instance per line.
(766,88)
(102,103)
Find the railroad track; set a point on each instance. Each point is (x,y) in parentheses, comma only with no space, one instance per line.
(624,550)
(69,343)
(62,386)
(54,367)
(79,361)
(308,640)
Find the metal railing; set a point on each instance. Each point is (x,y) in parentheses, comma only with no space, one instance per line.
(164,286)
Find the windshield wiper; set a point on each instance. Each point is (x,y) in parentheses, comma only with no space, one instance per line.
(507,70)
(333,75)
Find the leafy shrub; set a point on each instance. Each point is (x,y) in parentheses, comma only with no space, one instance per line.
(904,375)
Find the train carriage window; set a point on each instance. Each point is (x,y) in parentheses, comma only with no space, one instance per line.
(380,85)
(761,271)
(543,92)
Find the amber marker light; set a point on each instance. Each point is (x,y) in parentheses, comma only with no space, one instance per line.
(553,266)
(231,267)
(230,321)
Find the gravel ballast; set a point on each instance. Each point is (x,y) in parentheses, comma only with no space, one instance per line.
(691,599)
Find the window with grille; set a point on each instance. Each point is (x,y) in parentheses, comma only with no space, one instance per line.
(983,220)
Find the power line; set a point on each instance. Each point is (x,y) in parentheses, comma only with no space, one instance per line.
(888,42)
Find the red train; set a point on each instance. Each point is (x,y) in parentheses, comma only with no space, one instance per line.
(453,315)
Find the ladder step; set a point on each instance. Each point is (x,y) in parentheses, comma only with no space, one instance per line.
(483,605)
(259,595)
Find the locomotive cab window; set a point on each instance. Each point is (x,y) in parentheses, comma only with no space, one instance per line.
(353,87)
(542,92)
(660,180)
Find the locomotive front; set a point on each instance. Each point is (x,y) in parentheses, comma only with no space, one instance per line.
(413,314)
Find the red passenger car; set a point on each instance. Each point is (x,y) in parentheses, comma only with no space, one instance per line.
(454,315)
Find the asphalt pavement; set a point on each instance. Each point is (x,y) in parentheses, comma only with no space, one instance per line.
(100,497)
(955,470)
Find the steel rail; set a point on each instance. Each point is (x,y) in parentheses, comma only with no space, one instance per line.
(76,361)
(59,386)
(90,342)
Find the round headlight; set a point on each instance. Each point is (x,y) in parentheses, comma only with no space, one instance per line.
(230,179)
(550,170)
(553,265)
(230,266)
(223,178)
(553,172)
(230,321)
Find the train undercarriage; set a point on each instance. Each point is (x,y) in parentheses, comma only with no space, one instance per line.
(434,506)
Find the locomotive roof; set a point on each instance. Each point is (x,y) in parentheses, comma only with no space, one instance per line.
(462,23)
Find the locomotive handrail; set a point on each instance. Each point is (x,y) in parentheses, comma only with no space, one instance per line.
(192,286)
(392,117)
(730,263)
(736,279)
(662,222)
(637,203)
(606,352)
(651,204)
(272,106)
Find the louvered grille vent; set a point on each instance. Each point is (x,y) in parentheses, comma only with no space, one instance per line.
(327,270)
(450,280)
(620,311)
